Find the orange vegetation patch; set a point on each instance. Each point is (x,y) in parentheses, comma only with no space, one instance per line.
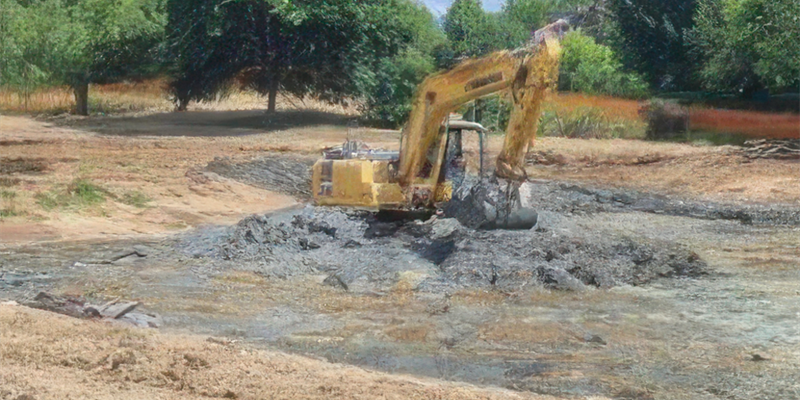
(750,123)
(50,99)
(614,108)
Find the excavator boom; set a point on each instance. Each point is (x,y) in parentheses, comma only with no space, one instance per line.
(417,177)
(528,72)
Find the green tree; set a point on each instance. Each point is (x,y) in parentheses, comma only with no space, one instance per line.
(522,17)
(651,37)
(57,42)
(388,99)
(594,68)
(329,49)
(748,45)
(471,31)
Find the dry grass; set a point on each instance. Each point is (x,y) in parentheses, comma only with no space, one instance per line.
(749,123)
(97,360)
(149,96)
(613,108)
(580,116)
(538,332)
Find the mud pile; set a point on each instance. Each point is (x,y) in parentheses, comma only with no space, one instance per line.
(359,253)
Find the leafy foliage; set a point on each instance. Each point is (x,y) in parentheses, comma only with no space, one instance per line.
(651,36)
(389,96)
(55,42)
(520,18)
(390,100)
(330,49)
(747,45)
(470,30)
(592,68)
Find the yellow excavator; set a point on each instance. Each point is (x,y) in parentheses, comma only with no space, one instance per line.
(419,176)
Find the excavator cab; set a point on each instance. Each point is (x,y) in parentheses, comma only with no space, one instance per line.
(356,176)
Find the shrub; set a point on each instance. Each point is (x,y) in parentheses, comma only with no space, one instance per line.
(665,120)
(592,68)
(586,123)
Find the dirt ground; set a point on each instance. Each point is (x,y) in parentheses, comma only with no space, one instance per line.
(97,360)
(728,334)
(161,157)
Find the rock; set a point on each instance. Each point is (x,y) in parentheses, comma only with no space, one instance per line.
(71,306)
(335,281)
(351,244)
(379,229)
(117,310)
(558,278)
(594,339)
(142,251)
(141,320)
(91,312)
(307,244)
(321,226)
(444,228)
(121,255)
(220,341)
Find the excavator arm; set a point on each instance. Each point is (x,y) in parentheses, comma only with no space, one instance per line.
(528,72)
(416,178)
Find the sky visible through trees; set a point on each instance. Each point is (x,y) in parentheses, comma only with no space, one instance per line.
(440,6)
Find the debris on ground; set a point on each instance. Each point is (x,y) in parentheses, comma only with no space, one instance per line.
(780,149)
(77,307)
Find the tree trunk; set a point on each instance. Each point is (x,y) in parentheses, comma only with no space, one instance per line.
(273,95)
(81,90)
(183,102)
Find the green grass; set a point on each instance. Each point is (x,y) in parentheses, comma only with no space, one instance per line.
(136,199)
(8,213)
(79,194)
(9,207)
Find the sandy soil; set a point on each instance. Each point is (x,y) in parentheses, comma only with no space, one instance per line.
(100,360)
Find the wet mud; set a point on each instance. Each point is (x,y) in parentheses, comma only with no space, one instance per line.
(613,293)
